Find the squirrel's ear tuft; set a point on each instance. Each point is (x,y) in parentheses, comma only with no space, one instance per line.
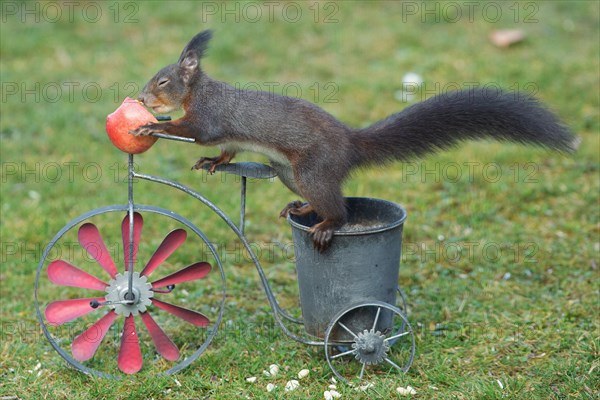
(190,56)
(196,47)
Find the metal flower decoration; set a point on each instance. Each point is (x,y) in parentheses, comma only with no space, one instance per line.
(126,295)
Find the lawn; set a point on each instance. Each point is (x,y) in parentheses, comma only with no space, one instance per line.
(500,260)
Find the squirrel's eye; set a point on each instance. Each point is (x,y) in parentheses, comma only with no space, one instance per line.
(163,82)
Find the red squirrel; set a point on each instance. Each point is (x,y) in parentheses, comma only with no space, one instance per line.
(313,152)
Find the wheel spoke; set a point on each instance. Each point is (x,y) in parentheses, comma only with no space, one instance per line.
(347,329)
(376,318)
(193,272)
(61,311)
(138,222)
(91,240)
(193,317)
(397,336)
(62,273)
(169,244)
(362,371)
(85,345)
(393,364)
(130,354)
(345,353)
(164,345)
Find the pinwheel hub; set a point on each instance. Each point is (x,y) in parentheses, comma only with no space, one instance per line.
(370,347)
(125,303)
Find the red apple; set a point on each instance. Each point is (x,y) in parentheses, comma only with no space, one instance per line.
(130,115)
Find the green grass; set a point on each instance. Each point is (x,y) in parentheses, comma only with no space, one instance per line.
(500,264)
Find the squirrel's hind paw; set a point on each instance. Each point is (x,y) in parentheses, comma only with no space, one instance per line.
(210,161)
(292,208)
(322,234)
(223,158)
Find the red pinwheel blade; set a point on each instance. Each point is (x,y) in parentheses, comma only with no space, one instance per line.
(194,271)
(61,311)
(130,354)
(62,273)
(90,239)
(163,344)
(190,316)
(138,222)
(170,243)
(85,345)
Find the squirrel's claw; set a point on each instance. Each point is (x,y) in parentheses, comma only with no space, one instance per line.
(321,238)
(145,130)
(224,158)
(290,208)
(322,234)
(211,161)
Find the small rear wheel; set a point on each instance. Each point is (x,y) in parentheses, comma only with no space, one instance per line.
(380,348)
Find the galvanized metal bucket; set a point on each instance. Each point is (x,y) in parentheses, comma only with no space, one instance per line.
(362,265)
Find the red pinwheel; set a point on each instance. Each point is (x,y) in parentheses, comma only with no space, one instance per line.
(119,298)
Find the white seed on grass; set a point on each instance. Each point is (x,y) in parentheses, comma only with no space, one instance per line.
(35,196)
(292,385)
(273,369)
(411,78)
(327,395)
(251,379)
(335,394)
(332,387)
(303,373)
(402,391)
(406,391)
(270,387)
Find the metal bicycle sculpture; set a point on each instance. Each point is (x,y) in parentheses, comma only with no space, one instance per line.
(63,300)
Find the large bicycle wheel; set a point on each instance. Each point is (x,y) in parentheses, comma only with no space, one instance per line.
(103,317)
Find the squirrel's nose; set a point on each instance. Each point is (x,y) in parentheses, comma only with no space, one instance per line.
(141,98)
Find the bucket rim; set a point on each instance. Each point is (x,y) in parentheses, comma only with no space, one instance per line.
(387,227)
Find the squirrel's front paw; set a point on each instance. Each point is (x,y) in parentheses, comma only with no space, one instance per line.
(145,130)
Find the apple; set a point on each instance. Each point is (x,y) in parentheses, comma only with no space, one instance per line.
(129,116)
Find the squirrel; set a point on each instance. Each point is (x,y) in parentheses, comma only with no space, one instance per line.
(311,151)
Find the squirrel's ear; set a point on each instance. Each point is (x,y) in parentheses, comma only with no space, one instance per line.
(188,67)
(191,54)
(196,46)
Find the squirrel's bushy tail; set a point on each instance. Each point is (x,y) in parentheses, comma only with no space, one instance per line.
(447,119)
